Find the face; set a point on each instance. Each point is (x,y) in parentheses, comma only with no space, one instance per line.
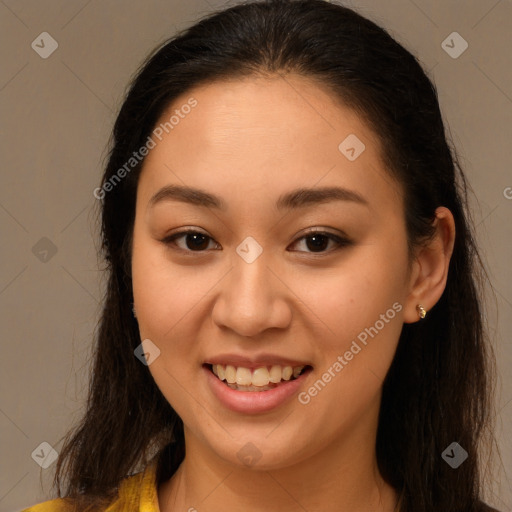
(267,276)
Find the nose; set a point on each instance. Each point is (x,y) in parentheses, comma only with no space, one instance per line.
(252,299)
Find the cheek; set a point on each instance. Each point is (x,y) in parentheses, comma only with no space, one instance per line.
(360,306)
(361,311)
(164,293)
(166,298)
(354,295)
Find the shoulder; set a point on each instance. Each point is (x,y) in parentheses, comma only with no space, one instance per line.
(56,505)
(136,493)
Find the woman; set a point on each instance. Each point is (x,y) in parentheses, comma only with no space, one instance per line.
(292,320)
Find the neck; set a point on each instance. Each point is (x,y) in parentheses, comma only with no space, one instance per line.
(342,477)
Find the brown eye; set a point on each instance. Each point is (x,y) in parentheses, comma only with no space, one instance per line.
(319,241)
(194,241)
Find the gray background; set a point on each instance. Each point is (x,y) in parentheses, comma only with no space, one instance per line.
(57,115)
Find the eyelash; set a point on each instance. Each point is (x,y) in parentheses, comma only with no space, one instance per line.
(341,241)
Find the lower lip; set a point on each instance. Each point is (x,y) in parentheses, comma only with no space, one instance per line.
(253,402)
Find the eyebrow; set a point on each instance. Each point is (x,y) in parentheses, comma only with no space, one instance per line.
(299,198)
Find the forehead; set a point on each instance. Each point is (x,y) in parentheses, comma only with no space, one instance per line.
(264,134)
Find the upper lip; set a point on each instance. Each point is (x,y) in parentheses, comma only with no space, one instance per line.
(255,361)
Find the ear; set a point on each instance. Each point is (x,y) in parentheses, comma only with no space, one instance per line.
(430,267)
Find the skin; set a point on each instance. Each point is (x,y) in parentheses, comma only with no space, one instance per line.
(248,141)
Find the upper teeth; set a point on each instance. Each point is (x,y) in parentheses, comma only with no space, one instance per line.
(258,377)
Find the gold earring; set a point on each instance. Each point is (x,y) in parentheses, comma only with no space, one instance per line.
(421,311)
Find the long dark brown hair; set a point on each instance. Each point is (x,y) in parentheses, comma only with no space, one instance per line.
(440,385)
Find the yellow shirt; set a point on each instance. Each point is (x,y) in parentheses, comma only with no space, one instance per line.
(137,493)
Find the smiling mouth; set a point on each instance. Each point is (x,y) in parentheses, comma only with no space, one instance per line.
(263,378)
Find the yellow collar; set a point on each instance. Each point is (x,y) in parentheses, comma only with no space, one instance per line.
(137,493)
